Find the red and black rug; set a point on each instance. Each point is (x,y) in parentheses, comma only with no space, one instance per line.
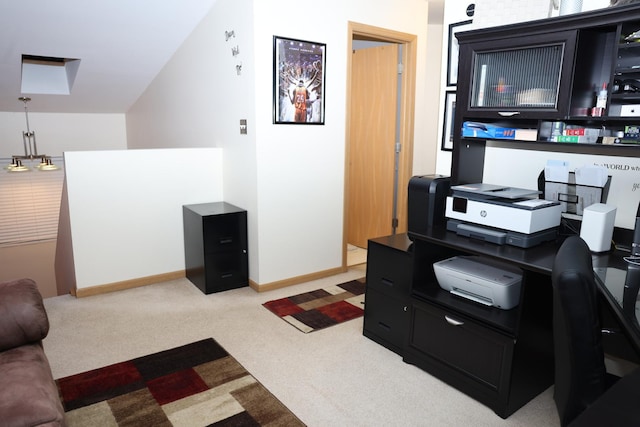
(197,384)
(311,311)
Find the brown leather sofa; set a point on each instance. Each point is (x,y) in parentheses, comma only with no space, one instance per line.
(28,393)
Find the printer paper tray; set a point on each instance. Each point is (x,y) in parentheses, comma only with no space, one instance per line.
(468,295)
(501,237)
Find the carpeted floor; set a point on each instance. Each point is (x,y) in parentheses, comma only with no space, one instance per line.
(333,377)
(321,308)
(194,384)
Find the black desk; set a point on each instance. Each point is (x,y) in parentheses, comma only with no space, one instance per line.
(618,281)
(502,358)
(513,349)
(619,284)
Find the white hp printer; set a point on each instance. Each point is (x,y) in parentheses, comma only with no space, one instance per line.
(485,281)
(502,214)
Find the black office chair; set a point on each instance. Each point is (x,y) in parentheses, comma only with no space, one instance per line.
(580,373)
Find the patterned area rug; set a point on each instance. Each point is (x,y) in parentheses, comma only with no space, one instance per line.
(197,384)
(311,311)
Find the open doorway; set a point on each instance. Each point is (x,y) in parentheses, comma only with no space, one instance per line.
(379,136)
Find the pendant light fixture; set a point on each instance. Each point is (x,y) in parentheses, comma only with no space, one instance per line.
(30,149)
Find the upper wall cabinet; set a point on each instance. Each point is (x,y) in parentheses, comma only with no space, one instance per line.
(571,81)
(521,76)
(625,92)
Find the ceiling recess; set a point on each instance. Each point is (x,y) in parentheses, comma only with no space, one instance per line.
(46,75)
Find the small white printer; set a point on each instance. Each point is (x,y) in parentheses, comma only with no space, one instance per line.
(485,281)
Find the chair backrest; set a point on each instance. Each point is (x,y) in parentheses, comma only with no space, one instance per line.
(579,356)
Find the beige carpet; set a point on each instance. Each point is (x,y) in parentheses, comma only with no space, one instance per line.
(334,376)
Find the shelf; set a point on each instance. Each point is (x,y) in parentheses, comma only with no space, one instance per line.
(542,129)
(627,97)
(600,121)
(623,150)
(629,46)
(627,70)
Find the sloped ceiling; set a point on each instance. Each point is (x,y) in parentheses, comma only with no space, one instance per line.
(121,45)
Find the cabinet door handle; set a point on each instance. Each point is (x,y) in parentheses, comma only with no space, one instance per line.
(387,282)
(453,321)
(384,326)
(508,113)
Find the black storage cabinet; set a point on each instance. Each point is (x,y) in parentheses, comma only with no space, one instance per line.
(389,269)
(215,246)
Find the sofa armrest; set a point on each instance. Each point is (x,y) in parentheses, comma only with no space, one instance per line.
(23,318)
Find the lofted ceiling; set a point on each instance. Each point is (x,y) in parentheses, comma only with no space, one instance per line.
(121,45)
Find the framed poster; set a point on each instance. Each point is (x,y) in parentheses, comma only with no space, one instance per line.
(449,115)
(452,52)
(299,81)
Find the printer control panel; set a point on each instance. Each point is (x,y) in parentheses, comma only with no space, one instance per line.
(459,204)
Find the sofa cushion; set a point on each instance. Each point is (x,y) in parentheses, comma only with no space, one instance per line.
(23,318)
(28,393)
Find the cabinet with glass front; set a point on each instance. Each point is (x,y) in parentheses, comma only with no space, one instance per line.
(556,80)
(571,81)
(521,77)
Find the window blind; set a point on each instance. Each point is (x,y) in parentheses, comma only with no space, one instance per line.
(30,203)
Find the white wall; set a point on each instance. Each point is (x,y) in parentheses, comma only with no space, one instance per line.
(425,149)
(198,99)
(290,178)
(490,13)
(301,168)
(125,209)
(60,132)
(229,32)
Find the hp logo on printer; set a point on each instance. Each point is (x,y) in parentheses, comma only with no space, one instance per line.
(483,213)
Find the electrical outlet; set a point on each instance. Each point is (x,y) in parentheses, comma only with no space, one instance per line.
(243,126)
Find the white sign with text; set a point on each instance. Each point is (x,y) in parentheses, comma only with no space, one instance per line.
(521,168)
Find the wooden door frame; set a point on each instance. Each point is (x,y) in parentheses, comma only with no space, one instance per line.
(407,114)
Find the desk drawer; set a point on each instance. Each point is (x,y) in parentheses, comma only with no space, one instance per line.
(388,270)
(226,270)
(223,233)
(466,347)
(387,318)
